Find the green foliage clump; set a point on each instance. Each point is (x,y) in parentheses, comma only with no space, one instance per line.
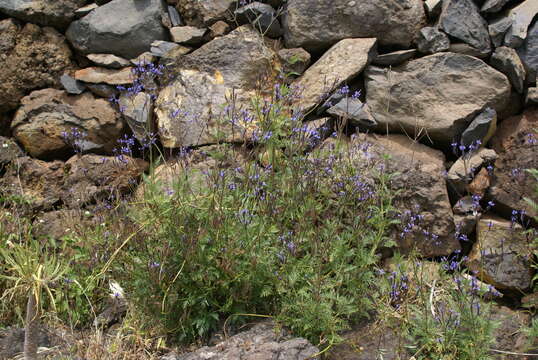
(296,237)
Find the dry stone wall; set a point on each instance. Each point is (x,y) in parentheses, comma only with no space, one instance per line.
(437,84)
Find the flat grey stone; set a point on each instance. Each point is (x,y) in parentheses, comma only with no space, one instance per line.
(108,60)
(394,58)
(357,113)
(71,85)
(124,28)
(507,61)
(160,48)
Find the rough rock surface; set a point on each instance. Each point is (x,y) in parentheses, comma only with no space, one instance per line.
(35,180)
(507,61)
(137,111)
(260,342)
(45,114)
(516,143)
(508,335)
(422,190)
(440,93)
(294,61)
(9,151)
(501,255)
(461,19)
(189,35)
(394,58)
(72,85)
(318,24)
(101,32)
(262,16)
(528,53)
(481,129)
(343,61)
(30,58)
(354,111)
(205,13)
(463,170)
(97,75)
(109,60)
(430,40)
(521,16)
(492,6)
(57,13)
(497,29)
(204,81)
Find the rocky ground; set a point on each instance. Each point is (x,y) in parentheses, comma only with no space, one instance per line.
(448,88)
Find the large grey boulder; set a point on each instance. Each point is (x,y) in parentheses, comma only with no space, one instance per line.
(124,28)
(507,61)
(461,19)
(46,115)
(340,63)
(318,24)
(528,53)
(190,109)
(260,342)
(57,13)
(438,94)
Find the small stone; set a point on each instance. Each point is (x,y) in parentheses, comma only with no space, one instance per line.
(480,183)
(492,6)
(480,129)
(430,40)
(175,18)
(497,29)
(71,85)
(466,49)
(220,28)
(138,113)
(102,90)
(85,10)
(144,58)
(262,17)
(465,224)
(532,96)
(294,61)
(394,58)
(98,75)
(501,254)
(189,35)
(462,172)
(108,61)
(353,110)
(521,16)
(464,206)
(9,151)
(160,48)
(507,61)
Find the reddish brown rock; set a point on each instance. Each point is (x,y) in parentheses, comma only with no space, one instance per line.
(97,75)
(37,182)
(516,143)
(45,115)
(480,183)
(93,178)
(30,58)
